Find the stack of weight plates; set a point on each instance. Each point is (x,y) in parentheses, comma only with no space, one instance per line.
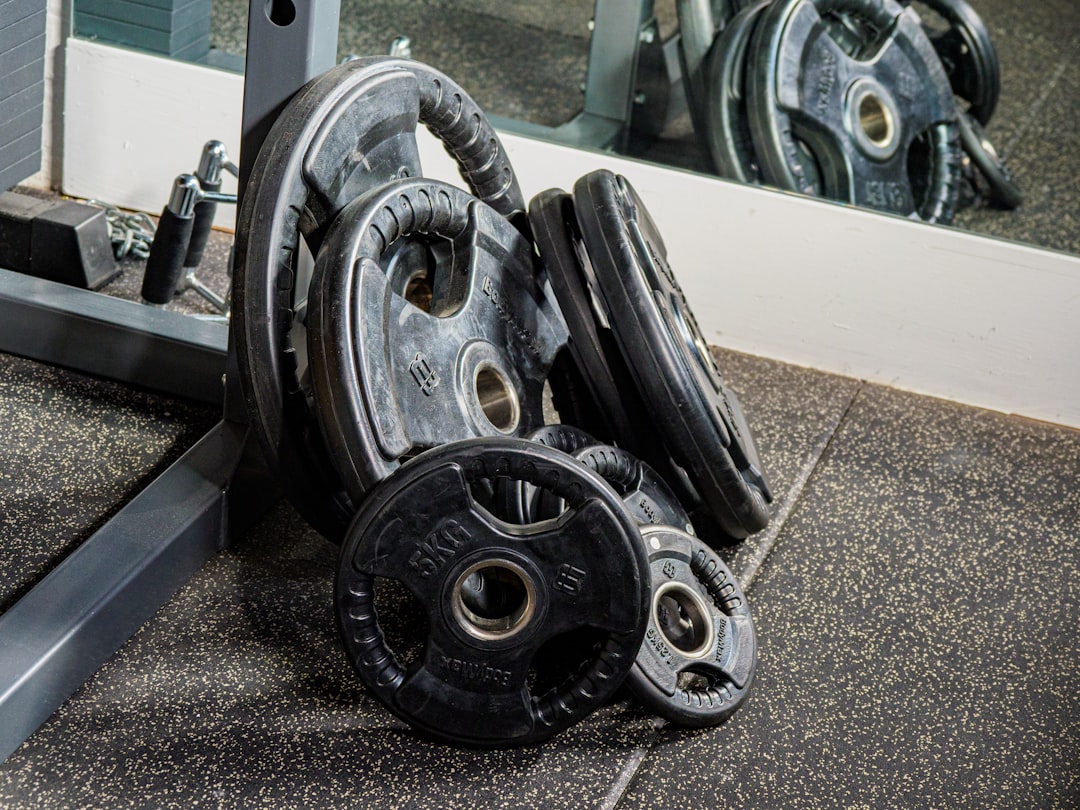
(400,341)
(867,102)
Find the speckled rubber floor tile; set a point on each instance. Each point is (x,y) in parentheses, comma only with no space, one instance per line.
(919,626)
(238,692)
(793,413)
(72,450)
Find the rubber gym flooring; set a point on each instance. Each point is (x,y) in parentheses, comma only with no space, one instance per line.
(915,598)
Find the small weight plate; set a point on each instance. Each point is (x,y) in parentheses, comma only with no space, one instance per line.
(349,130)
(968,55)
(649,499)
(473,683)
(413,347)
(876,117)
(726,127)
(1004,193)
(645,493)
(699,420)
(697,662)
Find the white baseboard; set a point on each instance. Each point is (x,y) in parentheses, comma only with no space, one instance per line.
(927,309)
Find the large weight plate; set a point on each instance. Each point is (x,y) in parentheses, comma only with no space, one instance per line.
(867,97)
(472,683)
(350,130)
(618,414)
(411,349)
(697,662)
(698,419)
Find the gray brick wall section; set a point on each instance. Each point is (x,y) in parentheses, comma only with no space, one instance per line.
(22,88)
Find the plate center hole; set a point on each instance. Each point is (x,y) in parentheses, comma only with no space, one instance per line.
(875,120)
(493,600)
(497,399)
(683,619)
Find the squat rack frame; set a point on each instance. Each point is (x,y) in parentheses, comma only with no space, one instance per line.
(57,635)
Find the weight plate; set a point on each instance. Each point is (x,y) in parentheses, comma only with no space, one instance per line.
(426,325)
(618,414)
(350,130)
(697,662)
(968,55)
(473,683)
(699,22)
(699,420)
(645,493)
(877,117)
(726,127)
(1004,192)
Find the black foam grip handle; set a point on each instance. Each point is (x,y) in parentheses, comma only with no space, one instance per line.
(165,265)
(200,231)
(944,188)
(456,120)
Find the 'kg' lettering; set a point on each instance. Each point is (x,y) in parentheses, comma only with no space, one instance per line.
(438,548)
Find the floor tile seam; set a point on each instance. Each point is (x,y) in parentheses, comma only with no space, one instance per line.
(1034,109)
(617,791)
(794,496)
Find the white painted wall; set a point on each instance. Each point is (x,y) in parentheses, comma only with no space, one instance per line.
(931,310)
(135,121)
(57,28)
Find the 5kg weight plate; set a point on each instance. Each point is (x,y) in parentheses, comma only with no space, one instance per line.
(876,116)
(494,595)
(426,325)
(697,662)
(699,420)
(348,131)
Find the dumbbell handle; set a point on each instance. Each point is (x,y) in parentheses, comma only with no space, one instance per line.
(165,265)
(214,159)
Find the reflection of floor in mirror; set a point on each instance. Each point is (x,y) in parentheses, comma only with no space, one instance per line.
(527,60)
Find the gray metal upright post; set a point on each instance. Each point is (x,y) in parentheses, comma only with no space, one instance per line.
(288,44)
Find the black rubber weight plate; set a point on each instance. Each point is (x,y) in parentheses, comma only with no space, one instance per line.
(697,662)
(350,130)
(474,682)
(869,101)
(1004,192)
(727,128)
(396,372)
(968,55)
(620,414)
(698,419)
